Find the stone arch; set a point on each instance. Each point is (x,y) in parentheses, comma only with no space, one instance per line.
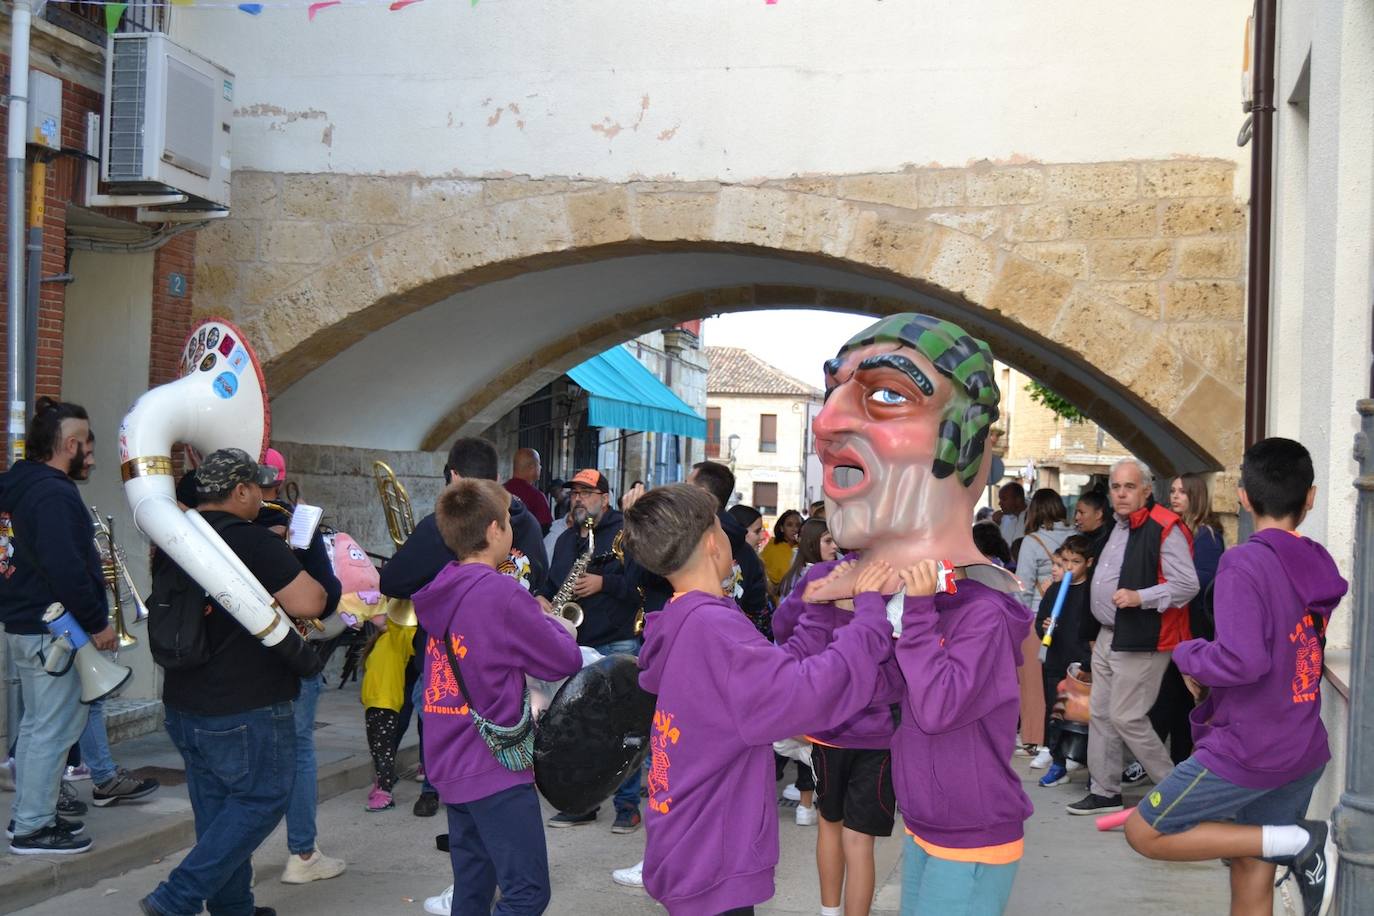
(1118,284)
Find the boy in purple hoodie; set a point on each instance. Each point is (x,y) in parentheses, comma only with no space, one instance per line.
(1260,745)
(712,823)
(497,634)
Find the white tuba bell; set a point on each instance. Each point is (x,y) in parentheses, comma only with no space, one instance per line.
(218,402)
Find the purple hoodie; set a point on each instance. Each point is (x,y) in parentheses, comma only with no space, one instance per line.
(725,694)
(870,728)
(500,635)
(951,754)
(1261,726)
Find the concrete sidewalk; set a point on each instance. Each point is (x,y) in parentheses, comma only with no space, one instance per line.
(129,835)
(1069,867)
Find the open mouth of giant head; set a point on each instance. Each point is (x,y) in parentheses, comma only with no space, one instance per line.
(846,472)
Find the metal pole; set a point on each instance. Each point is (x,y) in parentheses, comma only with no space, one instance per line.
(20,20)
(1354,816)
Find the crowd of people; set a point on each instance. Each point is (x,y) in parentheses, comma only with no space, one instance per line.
(1201,663)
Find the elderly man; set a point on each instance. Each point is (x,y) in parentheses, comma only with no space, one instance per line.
(524,483)
(1142,583)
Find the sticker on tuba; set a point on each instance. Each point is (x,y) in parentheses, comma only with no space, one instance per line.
(226,385)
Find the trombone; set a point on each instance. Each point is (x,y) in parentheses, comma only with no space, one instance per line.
(117,579)
(400,518)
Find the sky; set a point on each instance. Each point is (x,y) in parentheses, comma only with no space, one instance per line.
(797,341)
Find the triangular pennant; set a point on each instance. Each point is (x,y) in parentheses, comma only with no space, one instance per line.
(324,4)
(252,9)
(113,13)
(401,4)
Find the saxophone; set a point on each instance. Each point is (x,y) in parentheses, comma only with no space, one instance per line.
(563,605)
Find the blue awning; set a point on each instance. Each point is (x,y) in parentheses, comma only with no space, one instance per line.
(623,394)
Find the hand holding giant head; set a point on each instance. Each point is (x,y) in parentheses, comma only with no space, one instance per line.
(909,403)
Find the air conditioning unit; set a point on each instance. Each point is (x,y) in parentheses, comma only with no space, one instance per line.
(167,114)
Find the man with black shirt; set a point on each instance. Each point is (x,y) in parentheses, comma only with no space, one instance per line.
(424,554)
(232,718)
(47,554)
(610,603)
(750,590)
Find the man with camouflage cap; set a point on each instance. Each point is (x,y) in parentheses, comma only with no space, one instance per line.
(232,717)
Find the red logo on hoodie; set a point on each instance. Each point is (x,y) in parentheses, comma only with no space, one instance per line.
(441,685)
(1307,669)
(664,734)
(6,545)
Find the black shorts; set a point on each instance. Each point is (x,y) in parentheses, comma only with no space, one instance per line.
(854,787)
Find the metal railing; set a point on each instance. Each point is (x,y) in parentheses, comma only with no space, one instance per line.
(88,19)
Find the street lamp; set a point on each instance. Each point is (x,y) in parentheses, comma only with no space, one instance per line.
(732,443)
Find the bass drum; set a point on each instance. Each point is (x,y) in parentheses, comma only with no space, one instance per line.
(594,735)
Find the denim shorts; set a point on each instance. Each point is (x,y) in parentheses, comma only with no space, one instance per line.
(1193,794)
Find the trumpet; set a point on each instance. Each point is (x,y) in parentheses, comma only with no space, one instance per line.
(400,518)
(115,572)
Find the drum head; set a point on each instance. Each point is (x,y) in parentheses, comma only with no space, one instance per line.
(594,734)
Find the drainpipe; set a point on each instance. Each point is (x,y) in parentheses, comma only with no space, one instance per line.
(1261,228)
(20,19)
(21,16)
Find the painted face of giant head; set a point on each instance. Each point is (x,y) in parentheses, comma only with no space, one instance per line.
(908,406)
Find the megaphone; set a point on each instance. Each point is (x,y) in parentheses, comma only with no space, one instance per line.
(100,677)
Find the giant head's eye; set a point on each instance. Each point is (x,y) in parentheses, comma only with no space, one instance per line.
(887,397)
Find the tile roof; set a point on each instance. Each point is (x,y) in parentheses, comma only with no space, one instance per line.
(734,370)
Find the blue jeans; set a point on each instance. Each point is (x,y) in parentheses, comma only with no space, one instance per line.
(53,719)
(300,810)
(95,746)
(426,788)
(627,796)
(940,887)
(239,772)
(499,841)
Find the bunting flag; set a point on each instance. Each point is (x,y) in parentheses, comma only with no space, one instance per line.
(113,13)
(114,9)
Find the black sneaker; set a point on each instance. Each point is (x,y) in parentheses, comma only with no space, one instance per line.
(1096,804)
(1314,868)
(67,803)
(427,805)
(573,820)
(50,841)
(123,786)
(626,821)
(72,827)
(1135,773)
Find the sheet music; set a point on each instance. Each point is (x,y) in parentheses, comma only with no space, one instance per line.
(304,520)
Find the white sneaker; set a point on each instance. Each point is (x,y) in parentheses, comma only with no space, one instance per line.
(807,817)
(441,905)
(791,792)
(1042,759)
(630,877)
(1072,765)
(316,868)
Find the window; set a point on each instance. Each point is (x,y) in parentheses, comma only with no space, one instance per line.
(766,498)
(713,432)
(768,432)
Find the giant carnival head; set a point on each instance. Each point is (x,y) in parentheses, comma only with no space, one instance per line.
(909,403)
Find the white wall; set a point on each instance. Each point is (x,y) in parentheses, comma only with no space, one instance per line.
(1324,257)
(724,89)
(105,369)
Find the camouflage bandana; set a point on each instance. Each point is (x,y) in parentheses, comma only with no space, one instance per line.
(962,359)
(225,469)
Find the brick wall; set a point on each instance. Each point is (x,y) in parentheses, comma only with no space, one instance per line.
(171,315)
